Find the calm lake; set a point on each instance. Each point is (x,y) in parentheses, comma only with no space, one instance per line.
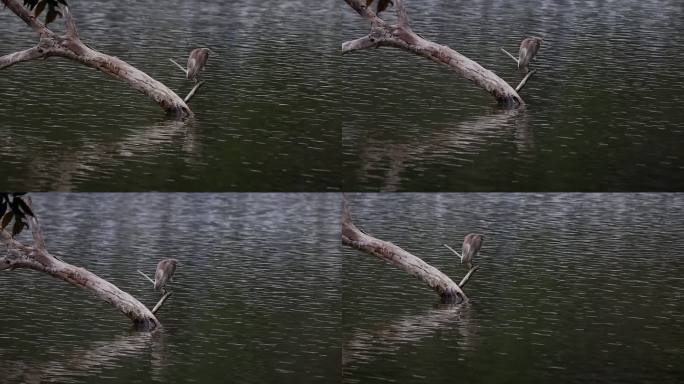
(572,288)
(265,120)
(256,294)
(603,112)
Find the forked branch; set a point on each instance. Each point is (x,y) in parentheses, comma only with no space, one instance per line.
(37,257)
(446,288)
(69,46)
(401,36)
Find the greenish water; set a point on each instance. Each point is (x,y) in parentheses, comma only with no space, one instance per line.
(572,288)
(256,293)
(604,110)
(264,120)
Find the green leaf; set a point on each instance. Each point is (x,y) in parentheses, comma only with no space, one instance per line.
(39,8)
(6,220)
(24,206)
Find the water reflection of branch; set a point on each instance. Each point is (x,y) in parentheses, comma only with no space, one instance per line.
(77,164)
(410,330)
(98,357)
(452,140)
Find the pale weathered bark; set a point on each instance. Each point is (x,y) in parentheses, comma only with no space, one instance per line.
(401,36)
(37,258)
(448,290)
(69,46)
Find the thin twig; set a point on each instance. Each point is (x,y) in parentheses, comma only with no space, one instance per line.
(161,302)
(524,80)
(452,250)
(467,276)
(180,66)
(147,277)
(511,56)
(71,29)
(402,15)
(192,91)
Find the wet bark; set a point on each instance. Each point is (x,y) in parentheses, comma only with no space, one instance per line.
(37,258)
(447,289)
(401,36)
(71,47)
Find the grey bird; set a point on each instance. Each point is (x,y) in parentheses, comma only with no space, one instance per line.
(528,49)
(471,246)
(196,62)
(165,270)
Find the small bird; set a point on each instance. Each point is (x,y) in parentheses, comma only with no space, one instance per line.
(196,62)
(528,49)
(471,246)
(165,270)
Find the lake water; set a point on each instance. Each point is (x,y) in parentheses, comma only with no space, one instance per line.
(603,112)
(256,293)
(264,120)
(572,288)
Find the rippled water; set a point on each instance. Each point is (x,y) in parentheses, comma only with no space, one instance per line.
(256,295)
(603,110)
(572,288)
(264,120)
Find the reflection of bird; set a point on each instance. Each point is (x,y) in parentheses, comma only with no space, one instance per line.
(196,62)
(471,246)
(528,49)
(165,270)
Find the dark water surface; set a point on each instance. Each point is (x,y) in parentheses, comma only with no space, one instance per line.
(572,288)
(256,294)
(264,120)
(604,111)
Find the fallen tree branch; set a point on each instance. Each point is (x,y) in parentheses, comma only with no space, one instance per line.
(192,91)
(454,251)
(161,301)
(524,80)
(147,277)
(446,288)
(402,36)
(511,56)
(69,46)
(37,258)
(185,71)
(466,278)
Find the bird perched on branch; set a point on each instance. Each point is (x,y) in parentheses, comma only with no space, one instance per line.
(196,62)
(528,49)
(471,246)
(165,270)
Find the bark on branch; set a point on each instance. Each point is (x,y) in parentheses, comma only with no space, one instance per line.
(37,258)
(71,47)
(447,289)
(401,36)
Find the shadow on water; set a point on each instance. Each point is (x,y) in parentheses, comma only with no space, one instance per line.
(91,158)
(92,359)
(364,345)
(387,161)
